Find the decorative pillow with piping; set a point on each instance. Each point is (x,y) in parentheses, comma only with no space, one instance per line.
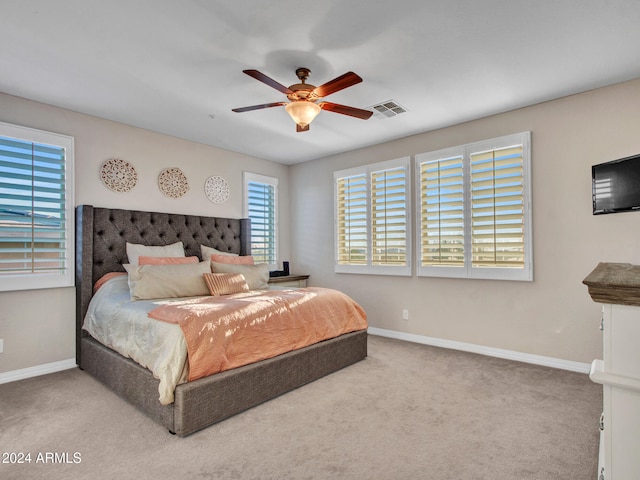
(225,283)
(257,276)
(144,260)
(234,259)
(147,282)
(135,250)
(208,251)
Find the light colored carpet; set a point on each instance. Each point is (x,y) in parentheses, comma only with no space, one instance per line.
(408,411)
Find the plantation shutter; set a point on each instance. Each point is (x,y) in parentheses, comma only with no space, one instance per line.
(475,219)
(497,208)
(33,205)
(352,220)
(372,218)
(261,200)
(389,217)
(442,212)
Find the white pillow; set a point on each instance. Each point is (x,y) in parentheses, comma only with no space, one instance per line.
(135,250)
(208,251)
(167,281)
(257,276)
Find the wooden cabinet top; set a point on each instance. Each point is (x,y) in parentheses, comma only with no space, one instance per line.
(288,278)
(615,283)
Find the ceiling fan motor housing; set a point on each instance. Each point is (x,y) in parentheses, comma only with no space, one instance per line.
(303,90)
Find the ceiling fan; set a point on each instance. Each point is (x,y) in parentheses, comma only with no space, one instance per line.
(304,98)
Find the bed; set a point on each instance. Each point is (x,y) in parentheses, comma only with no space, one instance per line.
(101,237)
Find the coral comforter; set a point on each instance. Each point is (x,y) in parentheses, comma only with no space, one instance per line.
(235,330)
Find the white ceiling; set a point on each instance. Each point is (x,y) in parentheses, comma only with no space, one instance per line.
(176,66)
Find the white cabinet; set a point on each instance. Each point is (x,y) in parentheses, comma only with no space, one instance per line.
(619,370)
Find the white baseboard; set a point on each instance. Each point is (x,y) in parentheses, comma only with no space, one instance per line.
(489,351)
(38,370)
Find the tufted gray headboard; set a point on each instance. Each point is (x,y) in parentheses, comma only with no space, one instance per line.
(102,235)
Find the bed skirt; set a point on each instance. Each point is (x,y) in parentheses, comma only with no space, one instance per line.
(211,399)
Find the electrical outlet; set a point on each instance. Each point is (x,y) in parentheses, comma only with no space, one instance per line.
(1,346)
(405,314)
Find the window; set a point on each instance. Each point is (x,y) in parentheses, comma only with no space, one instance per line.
(36,209)
(372,219)
(475,218)
(261,201)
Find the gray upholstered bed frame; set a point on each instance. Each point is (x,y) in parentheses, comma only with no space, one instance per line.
(101,236)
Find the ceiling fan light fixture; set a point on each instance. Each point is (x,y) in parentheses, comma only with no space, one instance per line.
(302,106)
(302,112)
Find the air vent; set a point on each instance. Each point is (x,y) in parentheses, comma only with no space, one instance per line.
(387,109)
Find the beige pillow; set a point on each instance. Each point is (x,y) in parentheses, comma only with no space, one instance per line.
(206,252)
(135,250)
(147,282)
(225,283)
(257,276)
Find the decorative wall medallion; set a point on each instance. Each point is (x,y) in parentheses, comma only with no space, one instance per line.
(173,183)
(118,175)
(217,189)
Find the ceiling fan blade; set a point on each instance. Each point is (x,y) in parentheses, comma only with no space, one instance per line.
(302,129)
(268,81)
(345,110)
(337,84)
(258,107)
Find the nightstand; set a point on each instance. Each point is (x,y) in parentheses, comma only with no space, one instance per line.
(289,281)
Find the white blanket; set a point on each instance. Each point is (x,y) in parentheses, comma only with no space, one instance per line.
(122,325)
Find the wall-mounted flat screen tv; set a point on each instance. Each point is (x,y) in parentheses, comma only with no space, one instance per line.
(616,185)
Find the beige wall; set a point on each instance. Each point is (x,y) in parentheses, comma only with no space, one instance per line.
(551,316)
(38,326)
